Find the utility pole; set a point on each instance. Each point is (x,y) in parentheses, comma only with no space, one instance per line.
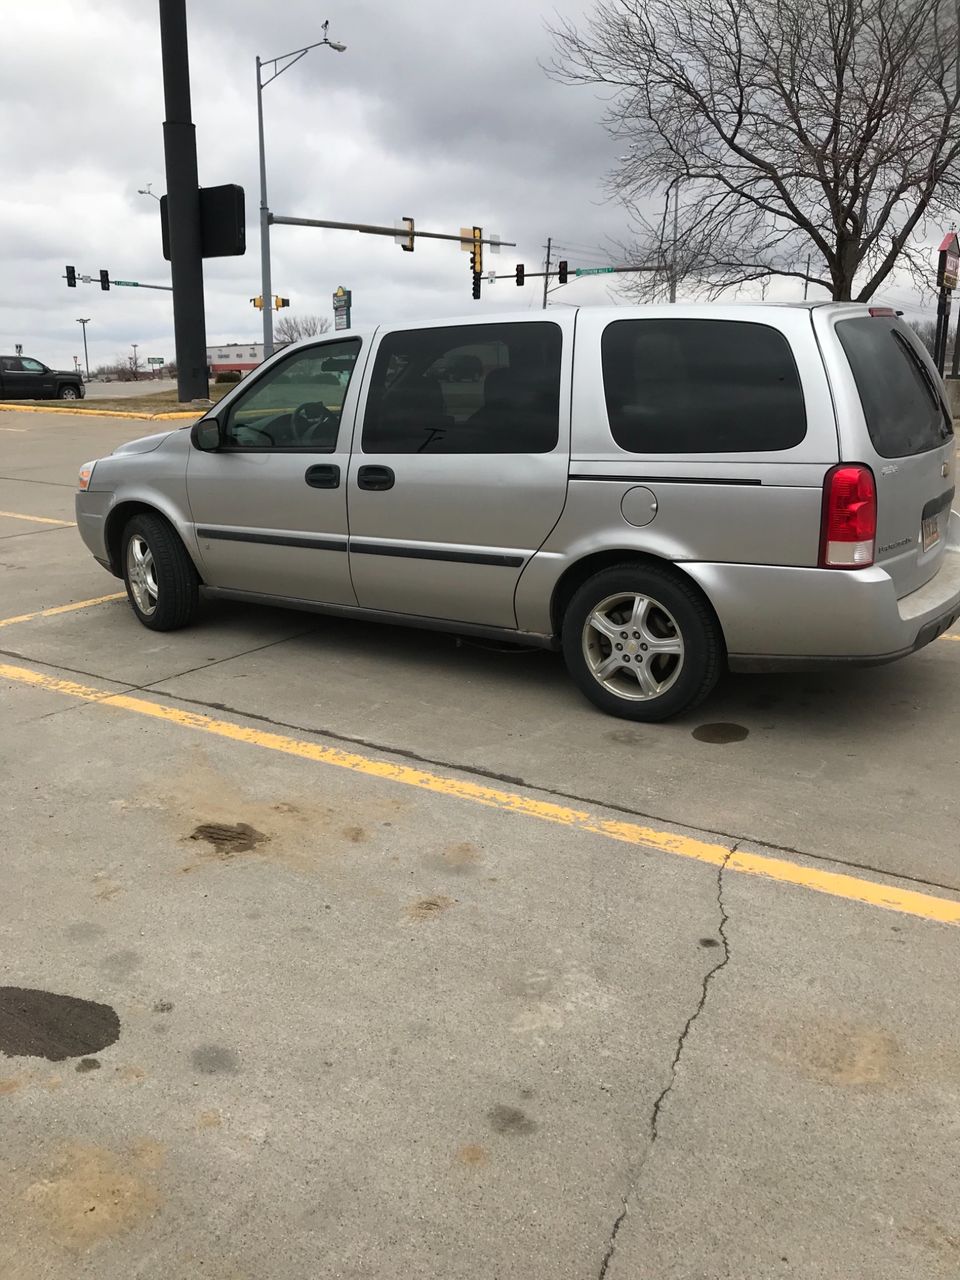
(134,366)
(183,195)
(86,358)
(546,274)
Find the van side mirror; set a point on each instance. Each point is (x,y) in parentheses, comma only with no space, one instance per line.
(206,434)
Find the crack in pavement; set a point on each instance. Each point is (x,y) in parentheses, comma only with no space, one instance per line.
(660,1101)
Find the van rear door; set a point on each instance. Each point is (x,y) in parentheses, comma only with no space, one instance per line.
(892,415)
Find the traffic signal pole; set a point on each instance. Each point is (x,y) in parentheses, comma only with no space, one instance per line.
(180,154)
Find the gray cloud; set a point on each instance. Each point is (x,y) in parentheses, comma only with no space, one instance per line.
(428,113)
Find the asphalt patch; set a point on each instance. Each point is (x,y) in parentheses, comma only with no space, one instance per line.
(42,1024)
(229,838)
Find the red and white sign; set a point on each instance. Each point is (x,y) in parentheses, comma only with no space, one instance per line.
(948,267)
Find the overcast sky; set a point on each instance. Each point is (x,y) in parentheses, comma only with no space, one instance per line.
(437,110)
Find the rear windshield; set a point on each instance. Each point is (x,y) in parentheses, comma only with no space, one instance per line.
(898,389)
(701,386)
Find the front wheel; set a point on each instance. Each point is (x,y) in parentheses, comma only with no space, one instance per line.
(642,643)
(162,584)
(69,393)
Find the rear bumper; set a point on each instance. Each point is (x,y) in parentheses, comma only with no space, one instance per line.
(788,618)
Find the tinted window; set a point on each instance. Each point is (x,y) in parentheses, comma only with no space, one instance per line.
(700,386)
(486,388)
(897,386)
(9,364)
(297,404)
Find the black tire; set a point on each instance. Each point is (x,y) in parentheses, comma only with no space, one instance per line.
(680,612)
(69,393)
(177,584)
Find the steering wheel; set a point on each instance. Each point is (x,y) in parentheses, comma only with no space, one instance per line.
(309,420)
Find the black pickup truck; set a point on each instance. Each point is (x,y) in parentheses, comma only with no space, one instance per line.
(24,379)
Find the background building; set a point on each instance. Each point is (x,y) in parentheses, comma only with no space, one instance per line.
(238,356)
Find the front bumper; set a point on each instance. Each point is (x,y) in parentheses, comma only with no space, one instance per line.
(776,618)
(92,508)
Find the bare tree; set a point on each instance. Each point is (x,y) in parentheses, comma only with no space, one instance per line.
(808,138)
(292,328)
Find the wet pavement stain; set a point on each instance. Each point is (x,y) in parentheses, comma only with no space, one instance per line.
(163,1006)
(41,1024)
(510,1120)
(709,942)
(213,1059)
(720,733)
(229,838)
(88,1064)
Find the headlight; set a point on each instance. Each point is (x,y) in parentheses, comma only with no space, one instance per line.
(85,476)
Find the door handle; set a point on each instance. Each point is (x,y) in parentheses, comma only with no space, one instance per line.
(323,476)
(376,478)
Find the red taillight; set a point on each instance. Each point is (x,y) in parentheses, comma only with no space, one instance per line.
(881,311)
(849,528)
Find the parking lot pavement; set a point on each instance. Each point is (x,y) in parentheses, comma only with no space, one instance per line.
(412,964)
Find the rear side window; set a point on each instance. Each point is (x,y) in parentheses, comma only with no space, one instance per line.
(479,388)
(898,390)
(701,386)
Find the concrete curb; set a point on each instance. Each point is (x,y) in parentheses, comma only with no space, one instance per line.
(104,413)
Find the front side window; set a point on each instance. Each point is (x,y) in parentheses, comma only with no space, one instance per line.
(701,386)
(31,366)
(485,388)
(297,405)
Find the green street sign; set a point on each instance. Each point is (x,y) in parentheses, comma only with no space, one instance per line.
(583,271)
(131,284)
(156,360)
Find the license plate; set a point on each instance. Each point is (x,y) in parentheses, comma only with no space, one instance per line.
(930,532)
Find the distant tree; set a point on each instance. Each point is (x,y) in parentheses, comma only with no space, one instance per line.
(292,328)
(814,139)
(926,331)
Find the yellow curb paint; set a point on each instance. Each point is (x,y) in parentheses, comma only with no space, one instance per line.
(100,413)
(850,888)
(16,515)
(61,608)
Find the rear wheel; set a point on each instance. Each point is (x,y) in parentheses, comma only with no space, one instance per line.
(69,393)
(162,584)
(642,643)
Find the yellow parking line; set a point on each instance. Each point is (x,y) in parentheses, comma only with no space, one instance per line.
(61,608)
(16,515)
(852,888)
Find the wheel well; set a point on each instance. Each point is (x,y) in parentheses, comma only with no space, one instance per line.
(117,522)
(573,579)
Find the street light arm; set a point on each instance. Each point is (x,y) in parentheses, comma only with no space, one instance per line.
(294,56)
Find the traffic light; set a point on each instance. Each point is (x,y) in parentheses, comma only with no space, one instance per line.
(71,277)
(476,261)
(562,271)
(519,273)
(258,303)
(105,281)
(476,255)
(280,302)
(407,242)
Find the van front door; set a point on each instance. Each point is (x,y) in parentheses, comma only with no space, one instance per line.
(269,506)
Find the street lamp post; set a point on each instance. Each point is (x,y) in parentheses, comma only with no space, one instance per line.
(136,374)
(86,359)
(287,59)
(145,191)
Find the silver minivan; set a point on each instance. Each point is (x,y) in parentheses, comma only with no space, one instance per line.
(661,491)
